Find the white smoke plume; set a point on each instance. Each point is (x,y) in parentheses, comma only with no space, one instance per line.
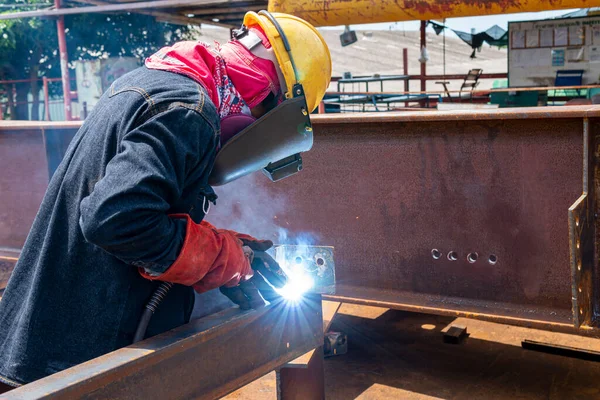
(246,206)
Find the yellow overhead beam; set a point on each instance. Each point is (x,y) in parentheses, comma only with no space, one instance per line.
(347,12)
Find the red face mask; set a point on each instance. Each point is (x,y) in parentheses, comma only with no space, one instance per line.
(252,76)
(228,73)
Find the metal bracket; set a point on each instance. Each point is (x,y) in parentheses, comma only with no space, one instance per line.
(582,228)
(315,261)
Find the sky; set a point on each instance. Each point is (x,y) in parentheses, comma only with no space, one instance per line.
(465,24)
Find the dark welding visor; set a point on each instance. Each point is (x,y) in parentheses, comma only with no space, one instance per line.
(272,143)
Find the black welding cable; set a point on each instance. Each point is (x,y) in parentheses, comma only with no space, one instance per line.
(158,295)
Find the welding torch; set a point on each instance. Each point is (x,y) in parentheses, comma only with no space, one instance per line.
(268,278)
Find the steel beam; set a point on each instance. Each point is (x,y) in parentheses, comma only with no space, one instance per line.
(387,189)
(303,383)
(205,359)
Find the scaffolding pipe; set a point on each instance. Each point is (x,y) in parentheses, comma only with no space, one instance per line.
(405,71)
(46,100)
(350,12)
(423,64)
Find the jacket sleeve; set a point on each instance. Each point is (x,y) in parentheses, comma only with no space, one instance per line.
(126,212)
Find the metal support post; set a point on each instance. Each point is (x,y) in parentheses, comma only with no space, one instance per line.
(405,72)
(423,66)
(64,62)
(303,383)
(46,100)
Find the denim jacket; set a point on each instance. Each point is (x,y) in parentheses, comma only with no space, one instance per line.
(144,152)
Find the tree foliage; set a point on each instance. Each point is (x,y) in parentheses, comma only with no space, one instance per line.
(29,46)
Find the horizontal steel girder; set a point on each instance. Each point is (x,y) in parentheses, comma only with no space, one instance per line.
(205,359)
(401,196)
(387,189)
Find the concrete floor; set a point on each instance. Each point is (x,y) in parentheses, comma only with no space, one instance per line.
(399,355)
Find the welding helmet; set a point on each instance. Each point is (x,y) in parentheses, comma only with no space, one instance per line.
(274,141)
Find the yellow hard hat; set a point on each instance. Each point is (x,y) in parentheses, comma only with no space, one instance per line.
(301,52)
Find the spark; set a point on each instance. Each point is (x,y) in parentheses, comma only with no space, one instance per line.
(298,284)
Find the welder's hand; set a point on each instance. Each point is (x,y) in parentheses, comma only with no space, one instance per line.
(269,274)
(209,258)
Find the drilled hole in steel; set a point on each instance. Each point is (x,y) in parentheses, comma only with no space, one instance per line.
(578,245)
(320,261)
(298,260)
(579,265)
(493,259)
(453,256)
(435,253)
(580,310)
(576,221)
(580,289)
(472,257)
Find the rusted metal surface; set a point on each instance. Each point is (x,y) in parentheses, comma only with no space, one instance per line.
(28,154)
(387,189)
(205,359)
(581,240)
(8,259)
(303,383)
(330,308)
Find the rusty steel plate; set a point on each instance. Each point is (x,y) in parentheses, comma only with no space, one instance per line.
(458,213)
(205,359)
(437,213)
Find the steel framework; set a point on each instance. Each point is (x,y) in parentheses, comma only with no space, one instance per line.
(506,199)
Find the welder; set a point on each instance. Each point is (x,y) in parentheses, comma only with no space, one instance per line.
(124,210)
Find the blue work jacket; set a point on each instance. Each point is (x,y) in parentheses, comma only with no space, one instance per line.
(145,151)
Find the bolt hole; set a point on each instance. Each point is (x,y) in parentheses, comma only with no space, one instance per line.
(298,260)
(435,253)
(580,290)
(493,259)
(578,245)
(472,257)
(453,256)
(576,221)
(579,265)
(581,311)
(320,262)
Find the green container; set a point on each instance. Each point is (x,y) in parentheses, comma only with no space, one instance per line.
(515,99)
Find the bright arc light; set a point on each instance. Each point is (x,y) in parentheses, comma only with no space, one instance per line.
(296,287)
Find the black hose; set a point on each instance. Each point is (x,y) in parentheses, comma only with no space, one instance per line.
(158,295)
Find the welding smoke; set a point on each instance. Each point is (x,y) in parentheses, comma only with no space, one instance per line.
(248,206)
